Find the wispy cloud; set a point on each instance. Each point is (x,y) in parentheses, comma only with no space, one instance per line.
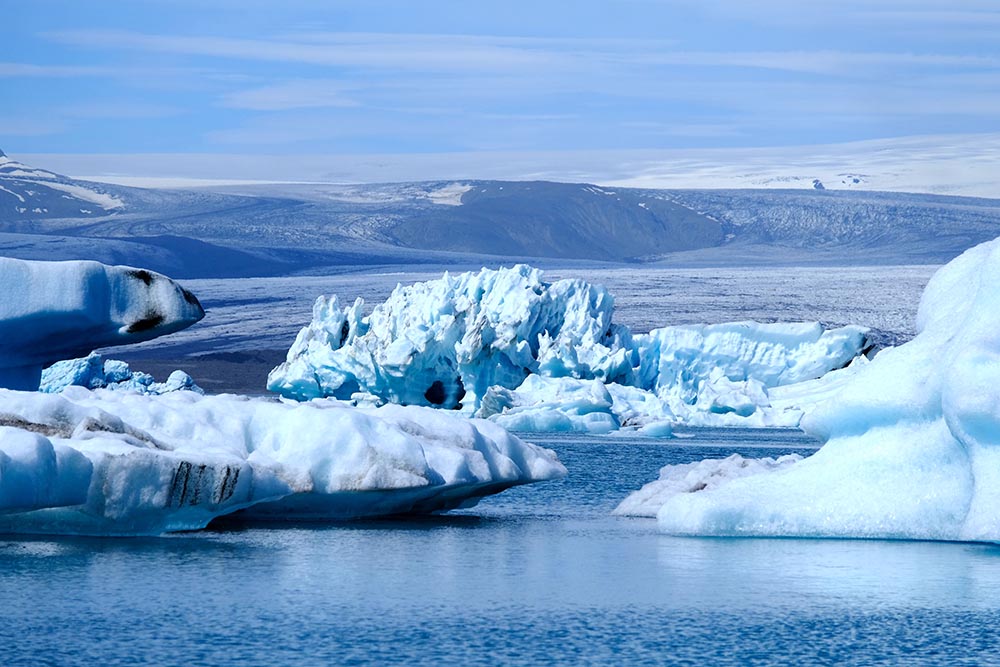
(121,109)
(654,73)
(9,70)
(298,94)
(817,62)
(460,53)
(15,126)
(370,50)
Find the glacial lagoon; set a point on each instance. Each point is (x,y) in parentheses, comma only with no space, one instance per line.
(541,574)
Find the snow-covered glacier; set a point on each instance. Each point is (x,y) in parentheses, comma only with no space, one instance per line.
(912,439)
(120,462)
(533,355)
(51,311)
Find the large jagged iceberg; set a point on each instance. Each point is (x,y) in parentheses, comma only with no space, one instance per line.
(912,439)
(546,356)
(445,342)
(60,310)
(114,462)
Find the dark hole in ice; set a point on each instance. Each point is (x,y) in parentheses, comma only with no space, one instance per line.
(345,329)
(435,393)
(151,321)
(143,275)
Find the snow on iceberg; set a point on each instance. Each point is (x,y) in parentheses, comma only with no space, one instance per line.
(912,439)
(96,372)
(694,477)
(526,354)
(61,310)
(110,462)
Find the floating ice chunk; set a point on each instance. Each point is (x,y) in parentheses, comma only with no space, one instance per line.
(688,478)
(111,462)
(912,437)
(95,372)
(681,360)
(112,477)
(543,404)
(450,342)
(712,375)
(61,310)
(445,342)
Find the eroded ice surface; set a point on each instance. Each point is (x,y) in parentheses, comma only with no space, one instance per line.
(445,342)
(113,462)
(60,310)
(913,438)
(546,356)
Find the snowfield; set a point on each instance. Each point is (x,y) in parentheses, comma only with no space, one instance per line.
(911,438)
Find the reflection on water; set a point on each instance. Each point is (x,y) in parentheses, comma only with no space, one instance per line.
(540,574)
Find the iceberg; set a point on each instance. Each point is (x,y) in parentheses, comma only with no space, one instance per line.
(96,372)
(60,310)
(912,445)
(694,477)
(103,450)
(543,404)
(123,463)
(507,346)
(445,342)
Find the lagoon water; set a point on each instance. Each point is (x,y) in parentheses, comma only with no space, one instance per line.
(538,575)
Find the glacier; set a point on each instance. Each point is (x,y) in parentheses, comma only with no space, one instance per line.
(51,311)
(109,462)
(911,438)
(536,356)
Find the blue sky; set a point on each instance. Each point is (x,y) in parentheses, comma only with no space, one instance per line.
(394,76)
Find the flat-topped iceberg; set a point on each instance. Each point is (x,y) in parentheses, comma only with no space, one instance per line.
(533,355)
(119,462)
(61,310)
(912,439)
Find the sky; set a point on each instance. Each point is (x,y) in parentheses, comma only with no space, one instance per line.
(397,77)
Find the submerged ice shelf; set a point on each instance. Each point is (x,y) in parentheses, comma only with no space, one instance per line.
(533,355)
(912,439)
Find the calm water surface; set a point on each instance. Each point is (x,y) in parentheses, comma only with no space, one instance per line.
(540,574)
